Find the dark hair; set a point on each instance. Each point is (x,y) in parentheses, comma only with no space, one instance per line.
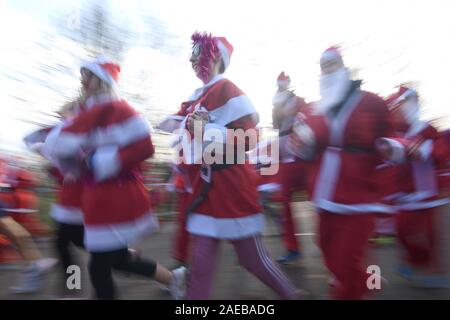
(222,66)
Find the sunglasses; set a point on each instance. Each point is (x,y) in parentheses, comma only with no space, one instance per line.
(196,50)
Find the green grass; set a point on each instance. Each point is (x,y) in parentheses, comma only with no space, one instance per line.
(45,200)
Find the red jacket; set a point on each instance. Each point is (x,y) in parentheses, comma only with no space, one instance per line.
(230,209)
(115,203)
(343,175)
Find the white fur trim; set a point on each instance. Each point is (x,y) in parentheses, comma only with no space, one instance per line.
(422,205)
(98,70)
(269,187)
(224,53)
(403,198)
(121,134)
(20,210)
(199,91)
(106,162)
(68,215)
(171,123)
(415,128)
(425,149)
(120,235)
(408,93)
(398,150)
(232,110)
(359,208)
(328,175)
(63,145)
(224,228)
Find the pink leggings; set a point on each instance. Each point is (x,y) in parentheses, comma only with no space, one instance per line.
(252,256)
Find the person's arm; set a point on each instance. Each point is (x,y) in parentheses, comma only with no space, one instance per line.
(128,144)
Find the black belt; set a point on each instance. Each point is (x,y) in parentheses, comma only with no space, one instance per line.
(356,149)
(207,184)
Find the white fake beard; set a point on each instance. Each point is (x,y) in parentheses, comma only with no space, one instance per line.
(410,111)
(280,98)
(333,88)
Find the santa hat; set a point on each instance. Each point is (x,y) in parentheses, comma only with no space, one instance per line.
(332,54)
(283,80)
(104,68)
(225,49)
(401,96)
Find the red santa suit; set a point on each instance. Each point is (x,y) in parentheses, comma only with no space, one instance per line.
(292,172)
(419,195)
(230,209)
(343,182)
(224,200)
(115,203)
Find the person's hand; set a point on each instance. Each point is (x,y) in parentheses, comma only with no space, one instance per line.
(198,118)
(69,178)
(384,148)
(295,143)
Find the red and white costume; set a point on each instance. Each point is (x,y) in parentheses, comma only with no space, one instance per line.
(339,134)
(224,200)
(292,171)
(420,187)
(231,208)
(343,175)
(115,202)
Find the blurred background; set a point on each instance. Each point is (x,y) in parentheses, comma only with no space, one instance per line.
(43,43)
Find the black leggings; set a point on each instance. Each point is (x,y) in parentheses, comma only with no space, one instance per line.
(68,234)
(102,263)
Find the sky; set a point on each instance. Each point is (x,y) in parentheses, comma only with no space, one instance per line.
(385,42)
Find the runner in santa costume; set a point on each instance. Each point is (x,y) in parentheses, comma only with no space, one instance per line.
(104,145)
(66,211)
(182,240)
(26,202)
(224,203)
(339,135)
(31,278)
(292,174)
(419,198)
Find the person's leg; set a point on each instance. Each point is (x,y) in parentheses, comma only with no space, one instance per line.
(62,246)
(126,261)
(77,235)
(182,237)
(100,273)
(344,245)
(21,239)
(204,258)
(254,257)
(288,185)
(31,278)
(415,236)
(292,178)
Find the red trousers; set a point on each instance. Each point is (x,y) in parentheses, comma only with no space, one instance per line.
(343,240)
(416,233)
(292,179)
(182,237)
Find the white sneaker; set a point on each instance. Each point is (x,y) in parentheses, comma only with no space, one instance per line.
(177,288)
(32,277)
(46,264)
